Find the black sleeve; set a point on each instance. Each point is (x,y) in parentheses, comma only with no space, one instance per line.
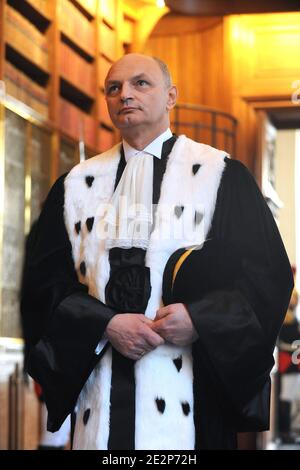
(238,327)
(62,322)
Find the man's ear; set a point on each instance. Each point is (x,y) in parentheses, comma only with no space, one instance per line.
(172,97)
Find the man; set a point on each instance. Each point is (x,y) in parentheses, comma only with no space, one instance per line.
(144,375)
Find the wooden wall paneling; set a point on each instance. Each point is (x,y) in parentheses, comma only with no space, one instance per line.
(108,10)
(31,423)
(55,147)
(227,72)
(21,87)
(72,119)
(26,39)
(90,129)
(53,89)
(193,94)
(252,141)
(198,46)
(104,66)
(89,6)
(127,27)
(127,31)
(148,17)
(259,59)
(53,35)
(177,24)
(69,118)
(103,112)
(4,413)
(2,37)
(77,70)
(71,21)
(168,51)
(119,26)
(207,68)
(106,138)
(44,7)
(108,41)
(97,105)
(212,66)
(110,22)
(183,55)
(190,68)
(241,110)
(271,45)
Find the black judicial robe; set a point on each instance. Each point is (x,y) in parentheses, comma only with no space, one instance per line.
(232,357)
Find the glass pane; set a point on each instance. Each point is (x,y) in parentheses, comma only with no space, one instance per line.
(68,156)
(40,169)
(13,229)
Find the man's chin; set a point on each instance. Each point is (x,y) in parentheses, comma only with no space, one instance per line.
(126,122)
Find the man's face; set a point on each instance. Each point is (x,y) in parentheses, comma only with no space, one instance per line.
(136,93)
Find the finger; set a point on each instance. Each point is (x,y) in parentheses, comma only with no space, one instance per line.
(146,320)
(153,339)
(162,312)
(159,327)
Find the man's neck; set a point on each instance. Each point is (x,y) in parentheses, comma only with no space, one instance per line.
(139,139)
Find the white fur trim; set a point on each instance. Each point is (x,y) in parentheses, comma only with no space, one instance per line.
(155,374)
(98,422)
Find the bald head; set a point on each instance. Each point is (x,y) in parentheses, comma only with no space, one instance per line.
(141,59)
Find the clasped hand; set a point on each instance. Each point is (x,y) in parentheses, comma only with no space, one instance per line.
(134,335)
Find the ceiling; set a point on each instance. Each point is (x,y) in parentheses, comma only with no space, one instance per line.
(226,7)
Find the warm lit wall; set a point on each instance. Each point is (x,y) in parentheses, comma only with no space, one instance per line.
(285,186)
(231,63)
(187,46)
(265,50)
(261,55)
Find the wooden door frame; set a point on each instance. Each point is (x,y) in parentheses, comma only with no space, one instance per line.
(266,104)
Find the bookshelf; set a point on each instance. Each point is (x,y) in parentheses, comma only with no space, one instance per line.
(25,41)
(107,53)
(76,27)
(55,58)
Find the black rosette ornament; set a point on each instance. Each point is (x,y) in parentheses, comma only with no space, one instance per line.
(128,289)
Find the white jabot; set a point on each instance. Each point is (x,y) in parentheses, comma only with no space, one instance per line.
(128,220)
(154,148)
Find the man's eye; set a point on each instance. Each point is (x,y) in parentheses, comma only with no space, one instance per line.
(112,89)
(142,82)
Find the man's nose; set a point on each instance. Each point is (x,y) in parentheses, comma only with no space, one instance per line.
(126,92)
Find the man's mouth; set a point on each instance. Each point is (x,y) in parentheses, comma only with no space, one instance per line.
(127,109)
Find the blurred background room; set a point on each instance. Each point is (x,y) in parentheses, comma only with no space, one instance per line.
(237,68)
